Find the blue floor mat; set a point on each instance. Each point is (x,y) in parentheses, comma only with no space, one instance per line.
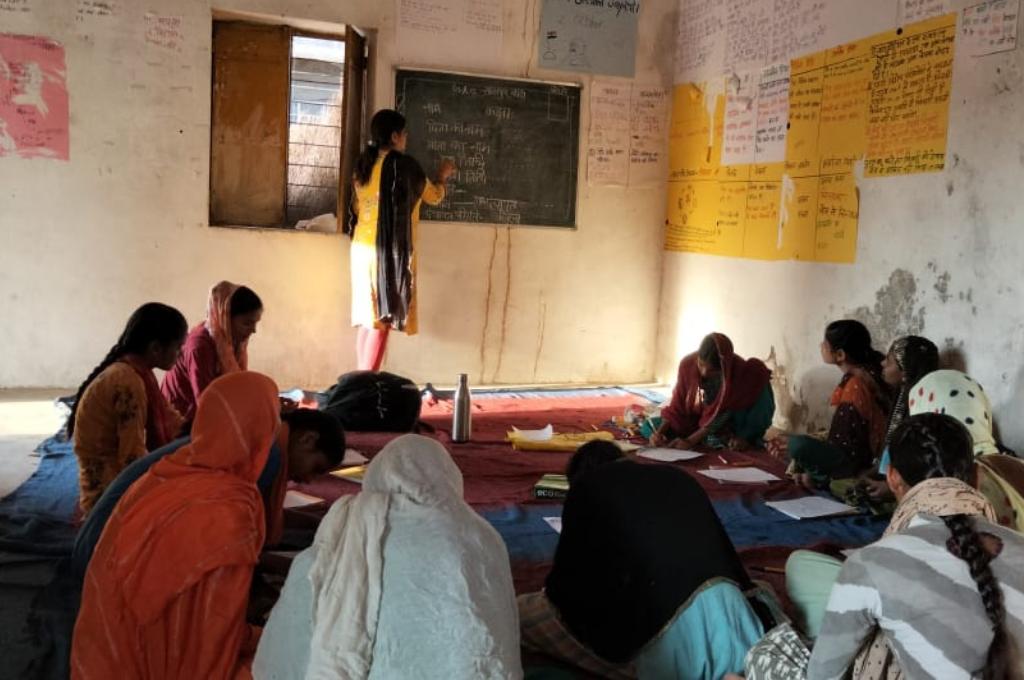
(750,524)
(36,534)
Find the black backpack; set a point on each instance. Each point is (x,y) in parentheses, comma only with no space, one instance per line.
(368,401)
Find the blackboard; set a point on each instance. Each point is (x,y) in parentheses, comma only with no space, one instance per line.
(515,142)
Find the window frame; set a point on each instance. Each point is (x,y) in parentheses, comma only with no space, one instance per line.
(351,129)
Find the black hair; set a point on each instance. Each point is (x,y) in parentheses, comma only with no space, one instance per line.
(330,434)
(152,322)
(853,338)
(966,544)
(708,352)
(243,301)
(590,456)
(384,123)
(931,445)
(920,357)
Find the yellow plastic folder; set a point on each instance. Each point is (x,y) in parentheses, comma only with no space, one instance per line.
(566,442)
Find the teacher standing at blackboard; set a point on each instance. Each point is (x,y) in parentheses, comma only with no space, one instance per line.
(389,187)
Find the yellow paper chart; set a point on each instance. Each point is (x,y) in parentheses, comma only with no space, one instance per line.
(882,100)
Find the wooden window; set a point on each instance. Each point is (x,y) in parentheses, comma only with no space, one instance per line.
(286,117)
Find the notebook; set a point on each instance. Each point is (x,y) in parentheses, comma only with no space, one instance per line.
(551,486)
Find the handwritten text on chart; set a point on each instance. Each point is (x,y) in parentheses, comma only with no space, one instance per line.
(882,100)
(627,134)
(990,27)
(912,11)
(164,31)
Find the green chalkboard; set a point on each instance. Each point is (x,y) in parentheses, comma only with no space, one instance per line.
(515,142)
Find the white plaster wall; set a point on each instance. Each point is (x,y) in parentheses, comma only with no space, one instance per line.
(937,254)
(126,221)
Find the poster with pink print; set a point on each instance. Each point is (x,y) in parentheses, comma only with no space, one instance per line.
(33,98)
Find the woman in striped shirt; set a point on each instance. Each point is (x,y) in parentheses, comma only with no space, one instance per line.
(941,595)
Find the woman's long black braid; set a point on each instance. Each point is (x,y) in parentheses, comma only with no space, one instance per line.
(931,445)
(151,322)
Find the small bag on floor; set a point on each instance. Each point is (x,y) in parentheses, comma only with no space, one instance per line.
(368,401)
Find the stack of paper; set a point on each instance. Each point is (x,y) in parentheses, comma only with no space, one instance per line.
(740,475)
(810,507)
(668,455)
(551,486)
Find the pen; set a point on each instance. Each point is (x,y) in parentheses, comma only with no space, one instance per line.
(724,461)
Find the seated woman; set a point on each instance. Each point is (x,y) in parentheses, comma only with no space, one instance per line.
(591,456)
(943,551)
(403,580)
(936,550)
(645,581)
(720,399)
(861,402)
(309,443)
(119,413)
(910,358)
(1000,477)
(166,592)
(216,347)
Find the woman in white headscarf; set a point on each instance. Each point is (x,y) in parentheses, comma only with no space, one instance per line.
(1000,477)
(403,580)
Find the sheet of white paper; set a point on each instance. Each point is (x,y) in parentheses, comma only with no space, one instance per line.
(627,447)
(810,507)
(535,435)
(297,499)
(911,11)
(669,455)
(467,33)
(555,522)
(848,552)
(989,27)
(738,137)
(353,457)
(742,475)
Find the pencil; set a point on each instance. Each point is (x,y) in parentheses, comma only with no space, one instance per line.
(723,460)
(771,570)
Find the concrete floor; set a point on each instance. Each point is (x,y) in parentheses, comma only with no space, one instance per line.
(26,418)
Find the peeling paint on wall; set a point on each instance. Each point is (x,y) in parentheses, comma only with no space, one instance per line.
(896,311)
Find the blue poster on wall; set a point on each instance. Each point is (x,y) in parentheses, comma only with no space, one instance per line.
(590,36)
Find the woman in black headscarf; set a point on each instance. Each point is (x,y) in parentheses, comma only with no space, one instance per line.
(643,574)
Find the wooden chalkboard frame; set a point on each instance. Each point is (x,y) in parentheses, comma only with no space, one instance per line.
(576,163)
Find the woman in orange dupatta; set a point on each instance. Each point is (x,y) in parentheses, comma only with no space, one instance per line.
(216,347)
(166,591)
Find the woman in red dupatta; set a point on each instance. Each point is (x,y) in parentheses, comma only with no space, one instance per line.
(720,400)
(216,347)
(166,591)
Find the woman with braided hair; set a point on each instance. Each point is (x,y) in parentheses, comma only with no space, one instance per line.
(929,600)
(941,595)
(119,413)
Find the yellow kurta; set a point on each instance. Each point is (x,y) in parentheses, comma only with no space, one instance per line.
(364,250)
(110,429)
